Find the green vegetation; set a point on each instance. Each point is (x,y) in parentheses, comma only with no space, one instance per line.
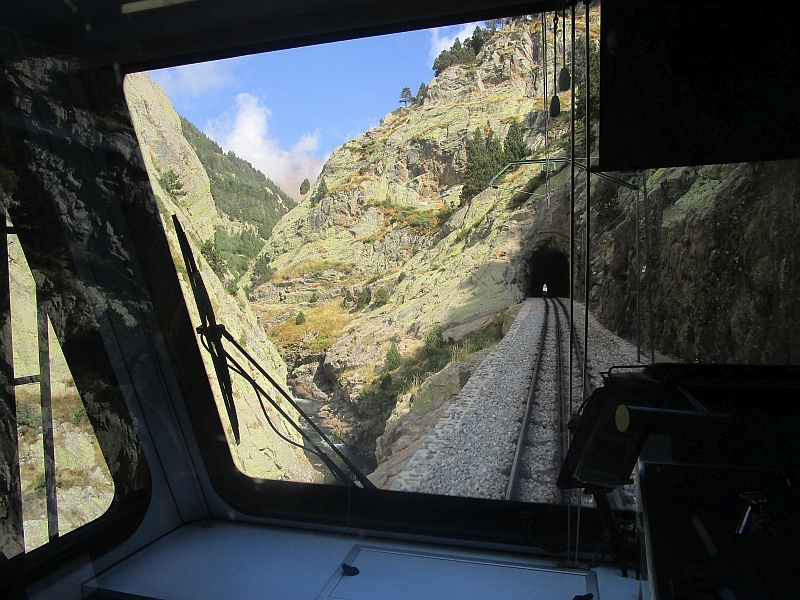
(377,399)
(305,186)
(580,99)
(401,277)
(381,296)
(262,272)
(461,54)
(314,298)
(233,252)
(434,339)
(327,320)
(427,221)
(214,257)
(405,96)
(364,298)
(170,183)
(321,192)
(393,359)
(514,145)
(238,189)
(485,158)
(300,318)
(422,92)
(29,415)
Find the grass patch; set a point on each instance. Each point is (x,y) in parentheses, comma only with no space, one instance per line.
(428,221)
(327,319)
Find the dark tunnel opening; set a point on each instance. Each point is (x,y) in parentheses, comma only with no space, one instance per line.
(551,267)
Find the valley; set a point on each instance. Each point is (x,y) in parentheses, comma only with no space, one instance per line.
(376,295)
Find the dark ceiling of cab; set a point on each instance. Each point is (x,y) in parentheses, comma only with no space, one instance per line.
(146,34)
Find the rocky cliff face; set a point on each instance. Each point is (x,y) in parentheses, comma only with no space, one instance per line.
(391,220)
(261,452)
(724,263)
(722,238)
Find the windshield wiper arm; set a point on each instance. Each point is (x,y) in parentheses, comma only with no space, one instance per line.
(213,332)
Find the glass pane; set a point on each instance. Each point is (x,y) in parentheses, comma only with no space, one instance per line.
(405,282)
(84,488)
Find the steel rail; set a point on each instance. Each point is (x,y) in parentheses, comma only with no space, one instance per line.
(576,343)
(511,488)
(563,434)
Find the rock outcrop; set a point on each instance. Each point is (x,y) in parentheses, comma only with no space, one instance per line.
(415,416)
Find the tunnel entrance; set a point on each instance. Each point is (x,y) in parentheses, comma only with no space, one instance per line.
(551,267)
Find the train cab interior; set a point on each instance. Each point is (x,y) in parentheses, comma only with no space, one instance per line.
(714,448)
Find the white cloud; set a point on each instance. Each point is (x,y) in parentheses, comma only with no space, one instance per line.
(193,80)
(245,130)
(442,38)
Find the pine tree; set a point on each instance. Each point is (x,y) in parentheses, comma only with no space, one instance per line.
(495,159)
(322,191)
(364,298)
(304,187)
(514,144)
(479,36)
(393,358)
(477,158)
(422,93)
(171,184)
(381,296)
(406,97)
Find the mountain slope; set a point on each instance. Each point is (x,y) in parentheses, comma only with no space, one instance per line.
(388,220)
(261,452)
(239,190)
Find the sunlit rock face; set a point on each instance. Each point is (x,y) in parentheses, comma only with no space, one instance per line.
(261,452)
(457,274)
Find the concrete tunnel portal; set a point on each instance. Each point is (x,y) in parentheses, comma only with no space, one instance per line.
(551,267)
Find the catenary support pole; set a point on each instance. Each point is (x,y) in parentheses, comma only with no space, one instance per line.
(572,206)
(648,266)
(587,242)
(638,273)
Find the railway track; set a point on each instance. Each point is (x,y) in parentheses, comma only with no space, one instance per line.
(543,437)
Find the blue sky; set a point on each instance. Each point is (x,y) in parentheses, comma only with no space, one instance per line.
(286,111)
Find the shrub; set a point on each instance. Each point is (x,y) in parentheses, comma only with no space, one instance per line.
(381,296)
(401,276)
(78,416)
(386,381)
(434,339)
(28,415)
(300,318)
(364,298)
(232,286)
(314,298)
(214,257)
(262,272)
(393,359)
(171,184)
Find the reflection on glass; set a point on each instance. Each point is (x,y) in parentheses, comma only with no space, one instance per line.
(83,486)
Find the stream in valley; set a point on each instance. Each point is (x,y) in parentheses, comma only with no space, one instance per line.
(365,464)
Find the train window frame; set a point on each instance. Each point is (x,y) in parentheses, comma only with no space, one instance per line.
(464,519)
